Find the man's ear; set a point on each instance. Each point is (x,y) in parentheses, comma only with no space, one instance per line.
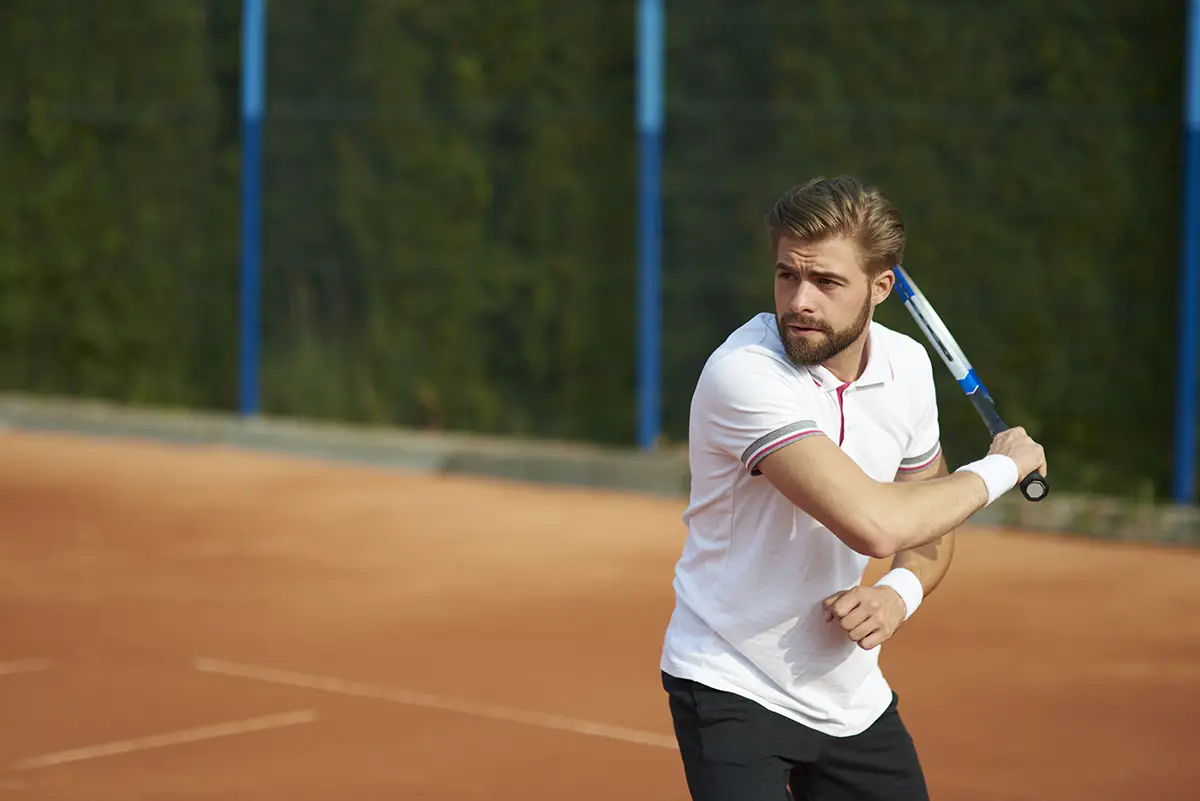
(881,286)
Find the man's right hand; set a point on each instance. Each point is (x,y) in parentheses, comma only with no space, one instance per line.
(1017,445)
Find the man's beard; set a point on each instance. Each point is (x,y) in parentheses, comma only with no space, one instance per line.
(806,353)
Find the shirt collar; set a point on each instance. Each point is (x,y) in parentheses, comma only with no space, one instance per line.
(879,370)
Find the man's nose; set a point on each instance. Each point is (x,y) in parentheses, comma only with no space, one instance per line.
(804,297)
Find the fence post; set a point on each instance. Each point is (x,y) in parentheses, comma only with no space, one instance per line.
(650,124)
(1187,407)
(254,46)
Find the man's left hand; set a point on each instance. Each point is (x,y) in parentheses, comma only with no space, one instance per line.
(868,615)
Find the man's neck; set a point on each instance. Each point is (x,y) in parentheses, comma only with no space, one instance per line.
(848,365)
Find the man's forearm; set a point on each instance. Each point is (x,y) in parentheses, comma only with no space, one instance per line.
(928,562)
(877,519)
(919,514)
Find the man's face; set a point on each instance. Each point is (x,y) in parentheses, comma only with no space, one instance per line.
(823,297)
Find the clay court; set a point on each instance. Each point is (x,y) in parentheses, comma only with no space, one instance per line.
(194,622)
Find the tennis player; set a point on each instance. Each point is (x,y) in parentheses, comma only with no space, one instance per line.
(814,446)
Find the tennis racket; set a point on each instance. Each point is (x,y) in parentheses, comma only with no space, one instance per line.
(1033,486)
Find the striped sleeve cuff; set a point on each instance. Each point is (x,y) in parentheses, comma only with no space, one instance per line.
(923,461)
(766,445)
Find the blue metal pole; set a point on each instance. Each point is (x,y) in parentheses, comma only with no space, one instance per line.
(254,47)
(1187,407)
(650,125)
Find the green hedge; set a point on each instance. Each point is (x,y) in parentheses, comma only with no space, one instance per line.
(450,204)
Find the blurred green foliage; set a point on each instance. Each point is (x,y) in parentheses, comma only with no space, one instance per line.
(449,210)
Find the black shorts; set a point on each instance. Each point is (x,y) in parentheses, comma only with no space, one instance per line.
(736,750)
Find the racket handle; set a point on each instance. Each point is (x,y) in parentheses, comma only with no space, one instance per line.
(1034,487)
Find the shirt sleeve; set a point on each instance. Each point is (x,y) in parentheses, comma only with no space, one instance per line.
(751,408)
(925,445)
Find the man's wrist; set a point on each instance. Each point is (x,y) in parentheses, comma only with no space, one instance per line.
(904,583)
(998,472)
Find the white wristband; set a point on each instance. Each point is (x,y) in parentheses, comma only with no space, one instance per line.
(999,474)
(907,586)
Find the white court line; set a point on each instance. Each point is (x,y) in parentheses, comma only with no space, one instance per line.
(428,701)
(24,666)
(171,738)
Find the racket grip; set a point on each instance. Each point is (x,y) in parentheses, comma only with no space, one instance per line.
(1034,487)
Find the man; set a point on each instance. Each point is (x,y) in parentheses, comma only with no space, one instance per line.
(814,446)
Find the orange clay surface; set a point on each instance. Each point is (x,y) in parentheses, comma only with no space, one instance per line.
(434,638)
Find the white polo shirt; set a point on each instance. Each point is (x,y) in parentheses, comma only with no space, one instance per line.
(755,568)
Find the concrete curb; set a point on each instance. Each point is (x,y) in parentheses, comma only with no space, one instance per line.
(545,462)
(662,473)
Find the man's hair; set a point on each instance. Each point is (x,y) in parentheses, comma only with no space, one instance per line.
(824,208)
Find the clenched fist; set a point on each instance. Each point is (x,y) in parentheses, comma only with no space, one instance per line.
(868,615)
(1016,444)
